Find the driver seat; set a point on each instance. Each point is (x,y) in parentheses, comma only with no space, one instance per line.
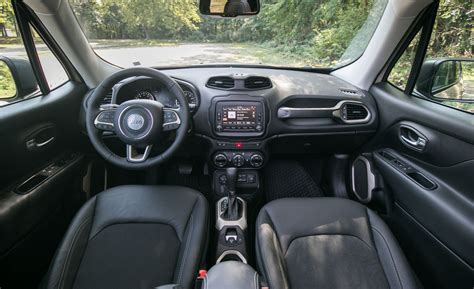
(133,237)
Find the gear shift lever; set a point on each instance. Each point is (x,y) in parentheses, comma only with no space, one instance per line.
(232,212)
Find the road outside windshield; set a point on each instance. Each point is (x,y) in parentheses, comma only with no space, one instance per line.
(289,33)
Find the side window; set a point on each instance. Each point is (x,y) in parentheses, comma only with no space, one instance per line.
(17,78)
(401,71)
(52,68)
(447,73)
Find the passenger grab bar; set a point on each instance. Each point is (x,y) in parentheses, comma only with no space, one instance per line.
(306,112)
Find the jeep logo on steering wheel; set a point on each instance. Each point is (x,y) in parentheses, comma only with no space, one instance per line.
(135,121)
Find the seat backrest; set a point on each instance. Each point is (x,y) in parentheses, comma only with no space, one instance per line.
(236,7)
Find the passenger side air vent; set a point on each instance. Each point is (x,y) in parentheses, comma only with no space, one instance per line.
(221,82)
(257,82)
(352,112)
(107,99)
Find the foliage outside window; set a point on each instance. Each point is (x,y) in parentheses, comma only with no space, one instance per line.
(7,83)
(300,33)
(451,39)
(401,71)
(11,47)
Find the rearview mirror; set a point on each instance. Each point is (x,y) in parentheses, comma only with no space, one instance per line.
(229,8)
(447,79)
(17,79)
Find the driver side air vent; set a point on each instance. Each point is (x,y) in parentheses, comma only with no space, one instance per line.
(355,112)
(257,82)
(221,82)
(107,99)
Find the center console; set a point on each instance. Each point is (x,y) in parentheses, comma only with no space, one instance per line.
(238,123)
(231,269)
(232,275)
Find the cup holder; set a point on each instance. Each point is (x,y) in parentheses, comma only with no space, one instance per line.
(231,255)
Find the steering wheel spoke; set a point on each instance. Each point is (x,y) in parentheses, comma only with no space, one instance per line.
(171,119)
(133,156)
(105,119)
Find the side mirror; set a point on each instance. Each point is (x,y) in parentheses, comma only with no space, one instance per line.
(447,79)
(17,79)
(229,8)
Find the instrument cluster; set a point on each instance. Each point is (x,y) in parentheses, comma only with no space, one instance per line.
(146,88)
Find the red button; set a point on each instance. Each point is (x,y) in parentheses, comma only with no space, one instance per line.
(202,274)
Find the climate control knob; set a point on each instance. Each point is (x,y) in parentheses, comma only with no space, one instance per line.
(238,160)
(256,160)
(220,160)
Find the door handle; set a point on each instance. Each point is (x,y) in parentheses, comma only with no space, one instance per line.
(419,142)
(33,144)
(412,138)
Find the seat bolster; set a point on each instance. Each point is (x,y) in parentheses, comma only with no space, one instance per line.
(269,254)
(394,263)
(194,243)
(62,272)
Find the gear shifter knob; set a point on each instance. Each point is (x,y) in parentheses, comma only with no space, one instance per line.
(231,180)
(232,212)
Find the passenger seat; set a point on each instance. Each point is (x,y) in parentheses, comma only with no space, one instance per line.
(328,243)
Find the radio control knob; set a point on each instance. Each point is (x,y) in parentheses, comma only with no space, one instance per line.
(219,128)
(220,160)
(256,160)
(259,128)
(238,160)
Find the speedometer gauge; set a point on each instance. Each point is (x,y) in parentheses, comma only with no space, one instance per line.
(144,95)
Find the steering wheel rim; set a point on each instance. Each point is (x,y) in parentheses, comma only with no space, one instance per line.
(94,110)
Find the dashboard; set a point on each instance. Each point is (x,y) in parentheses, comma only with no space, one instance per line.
(240,116)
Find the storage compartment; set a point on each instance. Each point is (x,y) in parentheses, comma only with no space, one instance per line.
(422,180)
(387,156)
(31,183)
(41,176)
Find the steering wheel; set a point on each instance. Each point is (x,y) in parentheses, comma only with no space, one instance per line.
(138,123)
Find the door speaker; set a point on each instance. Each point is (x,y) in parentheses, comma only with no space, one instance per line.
(363,180)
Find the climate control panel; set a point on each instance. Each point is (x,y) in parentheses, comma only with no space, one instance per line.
(238,159)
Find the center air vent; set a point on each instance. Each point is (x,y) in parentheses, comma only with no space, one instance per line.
(221,82)
(257,82)
(352,112)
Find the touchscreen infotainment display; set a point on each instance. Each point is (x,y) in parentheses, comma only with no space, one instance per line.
(245,117)
(239,115)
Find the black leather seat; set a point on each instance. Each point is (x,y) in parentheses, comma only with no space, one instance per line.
(328,243)
(237,7)
(133,237)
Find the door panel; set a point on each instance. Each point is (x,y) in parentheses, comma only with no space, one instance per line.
(40,181)
(432,189)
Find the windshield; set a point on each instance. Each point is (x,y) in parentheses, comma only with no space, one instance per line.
(288,33)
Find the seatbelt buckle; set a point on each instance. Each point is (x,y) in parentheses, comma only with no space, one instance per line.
(200,279)
(202,274)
